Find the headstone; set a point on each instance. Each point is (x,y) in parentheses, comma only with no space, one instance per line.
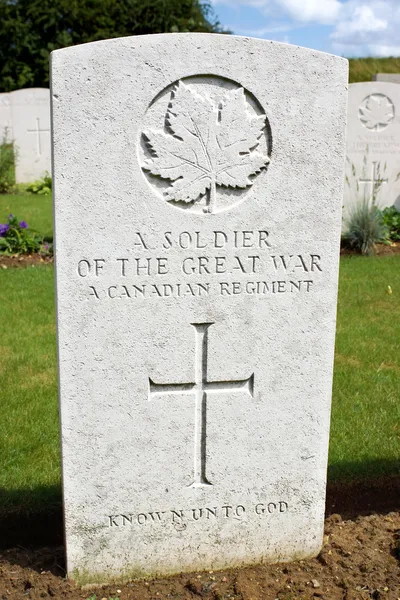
(373,146)
(30,110)
(388,77)
(5,118)
(198,191)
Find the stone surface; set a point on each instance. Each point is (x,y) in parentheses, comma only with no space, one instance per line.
(373,145)
(5,117)
(30,114)
(388,77)
(197,243)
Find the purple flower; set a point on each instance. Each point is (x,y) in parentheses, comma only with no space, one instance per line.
(3,229)
(10,216)
(23,225)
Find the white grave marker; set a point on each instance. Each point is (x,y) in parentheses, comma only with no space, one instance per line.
(388,77)
(373,145)
(5,118)
(198,190)
(30,109)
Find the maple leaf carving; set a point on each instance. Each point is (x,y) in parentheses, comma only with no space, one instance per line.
(205,145)
(377,111)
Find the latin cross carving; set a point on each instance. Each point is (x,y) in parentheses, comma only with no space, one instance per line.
(375,180)
(38,131)
(201,388)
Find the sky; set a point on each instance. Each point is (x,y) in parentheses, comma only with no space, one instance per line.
(350,28)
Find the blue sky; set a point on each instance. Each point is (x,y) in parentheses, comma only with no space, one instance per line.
(345,27)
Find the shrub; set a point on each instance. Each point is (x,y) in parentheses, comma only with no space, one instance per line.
(41,186)
(365,228)
(391,218)
(16,238)
(7,165)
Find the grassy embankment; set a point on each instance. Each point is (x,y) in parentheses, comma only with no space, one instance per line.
(362,69)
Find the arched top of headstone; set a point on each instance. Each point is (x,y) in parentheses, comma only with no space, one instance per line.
(26,96)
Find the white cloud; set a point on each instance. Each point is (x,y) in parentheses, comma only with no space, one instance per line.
(309,11)
(383,51)
(368,27)
(359,27)
(263,31)
(305,11)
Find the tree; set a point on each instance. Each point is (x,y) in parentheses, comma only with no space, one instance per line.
(31,29)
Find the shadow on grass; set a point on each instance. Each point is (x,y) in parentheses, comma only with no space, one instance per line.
(32,519)
(356,489)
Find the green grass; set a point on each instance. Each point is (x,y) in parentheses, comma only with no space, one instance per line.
(362,69)
(34,209)
(365,435)
(365,430)
(29,436)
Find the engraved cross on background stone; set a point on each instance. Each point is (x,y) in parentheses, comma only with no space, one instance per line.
(201,387)
(38,131)
(375,179)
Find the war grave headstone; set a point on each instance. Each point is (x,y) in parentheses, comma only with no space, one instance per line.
(373,145)
(30,111)
(5,118)
(198,191)
(388,77)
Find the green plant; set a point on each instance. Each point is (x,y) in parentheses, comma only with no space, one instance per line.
(365,228)
(16,238)
(7,165)
(391,218)
(41,186)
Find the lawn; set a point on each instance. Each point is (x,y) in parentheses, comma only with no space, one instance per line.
(29,436)
(36,210)
(365,437)
(365,429)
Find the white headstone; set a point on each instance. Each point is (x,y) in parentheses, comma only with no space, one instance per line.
(388,77)
(373,145)
(198,191)
(5,118)
(30,109)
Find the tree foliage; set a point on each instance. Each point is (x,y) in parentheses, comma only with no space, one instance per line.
(31,29)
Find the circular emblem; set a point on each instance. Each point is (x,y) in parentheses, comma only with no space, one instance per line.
(204,142)
(376,112)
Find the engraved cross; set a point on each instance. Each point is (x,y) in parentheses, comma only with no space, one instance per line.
(201,387)
(375,179)
(38,131)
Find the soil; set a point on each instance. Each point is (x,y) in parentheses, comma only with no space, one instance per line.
(380,249)
(24,260)
(360,560)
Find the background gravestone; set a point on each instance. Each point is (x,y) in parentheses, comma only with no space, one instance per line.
(30,111)
(373,145)
(198,190)
(388,77)
(5,117)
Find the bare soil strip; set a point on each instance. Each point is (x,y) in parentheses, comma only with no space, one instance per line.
(360,559)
